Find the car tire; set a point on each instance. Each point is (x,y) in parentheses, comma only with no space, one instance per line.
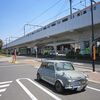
(84,88)
(58,86)
(38,77)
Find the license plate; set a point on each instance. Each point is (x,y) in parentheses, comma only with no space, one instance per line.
(80,88)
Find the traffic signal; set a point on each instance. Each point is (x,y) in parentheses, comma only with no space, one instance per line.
(94,53)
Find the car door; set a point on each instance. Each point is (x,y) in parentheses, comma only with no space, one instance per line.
(51,72)
(42,70)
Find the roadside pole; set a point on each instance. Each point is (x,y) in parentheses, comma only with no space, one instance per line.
(36,51)
(93,41)
(14,57)
(70,1)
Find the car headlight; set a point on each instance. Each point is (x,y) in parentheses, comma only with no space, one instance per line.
(71,80)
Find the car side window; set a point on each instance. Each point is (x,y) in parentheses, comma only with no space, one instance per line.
(50,66)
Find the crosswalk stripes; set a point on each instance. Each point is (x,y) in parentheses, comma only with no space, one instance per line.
(6,82)
(3,86)
(2,90)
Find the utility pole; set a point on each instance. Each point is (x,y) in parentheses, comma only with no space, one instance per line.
(6,46)
(93,41)
(70,1)
(24,29)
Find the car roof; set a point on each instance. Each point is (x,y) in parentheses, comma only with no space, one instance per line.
(46,60)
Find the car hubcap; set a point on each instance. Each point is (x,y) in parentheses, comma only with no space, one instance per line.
(38,77)
(58,87)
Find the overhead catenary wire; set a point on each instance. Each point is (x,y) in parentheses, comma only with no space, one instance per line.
(61,12)
(41,14)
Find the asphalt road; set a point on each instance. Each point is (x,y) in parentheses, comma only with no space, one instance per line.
(18,82)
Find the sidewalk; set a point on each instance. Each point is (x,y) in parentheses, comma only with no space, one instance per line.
(93,76)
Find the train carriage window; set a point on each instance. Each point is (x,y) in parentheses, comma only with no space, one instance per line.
(44,28)
(53,24)
(78,14)
(84,12)
(64,20)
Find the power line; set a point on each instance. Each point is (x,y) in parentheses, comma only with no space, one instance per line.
(59,13)
(45,11)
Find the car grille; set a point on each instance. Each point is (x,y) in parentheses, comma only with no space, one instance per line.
(79,82)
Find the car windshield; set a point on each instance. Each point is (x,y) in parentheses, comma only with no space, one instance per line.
(64,66)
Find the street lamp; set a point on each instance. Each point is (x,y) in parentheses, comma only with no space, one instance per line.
(30,25)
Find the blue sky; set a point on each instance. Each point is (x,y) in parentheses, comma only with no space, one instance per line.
(15,13)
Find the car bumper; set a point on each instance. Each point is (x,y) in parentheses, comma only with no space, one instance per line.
(78,88)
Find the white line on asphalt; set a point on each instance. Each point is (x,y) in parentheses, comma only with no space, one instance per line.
(6,82)
(94,81)
(79,64)
(26,90)
(43,89)
(93,88)
(2,86)
(0,95)
(2,90)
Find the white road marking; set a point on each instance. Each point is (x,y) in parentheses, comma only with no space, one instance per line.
(2,90)
(2,86)
(93,88)
(79,64)
(6,82)
(94,81)
(26,90)
(43,89)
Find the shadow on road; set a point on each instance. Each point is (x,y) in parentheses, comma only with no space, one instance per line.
(52,88)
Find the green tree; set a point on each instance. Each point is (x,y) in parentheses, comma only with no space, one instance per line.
(1,44)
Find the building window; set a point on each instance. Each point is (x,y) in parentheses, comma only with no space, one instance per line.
(64,20)
(53,24)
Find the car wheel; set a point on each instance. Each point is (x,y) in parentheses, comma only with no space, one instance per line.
(38,77)
(83,88)
(58,86)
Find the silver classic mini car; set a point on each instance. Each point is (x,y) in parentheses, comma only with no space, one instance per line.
(62,75)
